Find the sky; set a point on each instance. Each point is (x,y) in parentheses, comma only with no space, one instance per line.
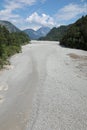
(37,13)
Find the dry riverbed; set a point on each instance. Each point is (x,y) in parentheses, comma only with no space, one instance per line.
(44,88)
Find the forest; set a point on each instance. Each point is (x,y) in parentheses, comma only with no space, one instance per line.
(72,36)
(76,35)
(10,43)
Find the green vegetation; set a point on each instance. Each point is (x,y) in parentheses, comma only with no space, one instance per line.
(10,43)
(73,35)
(55,34)
(76,35)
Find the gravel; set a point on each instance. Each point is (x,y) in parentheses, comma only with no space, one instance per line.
(45,88)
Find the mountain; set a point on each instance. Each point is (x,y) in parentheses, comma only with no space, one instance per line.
(76,35)
(38,33)
(43,31)
(73,35)
(31,33)
(55,34)
(10,27)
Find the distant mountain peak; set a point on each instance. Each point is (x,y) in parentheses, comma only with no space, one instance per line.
(38,33)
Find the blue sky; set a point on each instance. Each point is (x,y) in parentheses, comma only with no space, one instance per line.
(36,13)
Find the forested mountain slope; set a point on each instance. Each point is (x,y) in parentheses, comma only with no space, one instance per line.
(55,34)
(10,43)
(76,35)
(73,35)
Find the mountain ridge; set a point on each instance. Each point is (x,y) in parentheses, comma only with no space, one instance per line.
(38,33)
(76,35)
(73,35)
(56,33)
(9,26)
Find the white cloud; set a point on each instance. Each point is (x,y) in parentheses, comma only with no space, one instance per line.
(71,11)
(19,3)
(35,20)
(16,4)
(29,2)
(6,14)
(11,5)
(42,20)
(64,15)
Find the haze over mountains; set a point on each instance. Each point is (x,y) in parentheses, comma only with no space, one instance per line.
(41,32)
(10,27)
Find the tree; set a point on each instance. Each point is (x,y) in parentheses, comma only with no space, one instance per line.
(10,43)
